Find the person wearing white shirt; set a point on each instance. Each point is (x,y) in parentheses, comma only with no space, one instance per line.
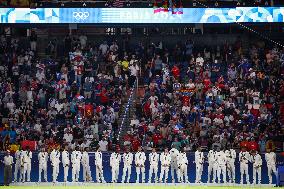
(127,163)
(8,162)
(55,160)
(231,158)
(87,175)
(83,40)
(27,156)
(68,137)
(65,162)
(221,160)
(104,48)
(154,162)
(199,160)
(140,159)
(103,145)
(115,159)
(42,159)
(244,158)
(76,157)
(256,164)
(17,165)
(182,166)
(270,158)
(99,166)
(165,159)
(199,60)
(212,166)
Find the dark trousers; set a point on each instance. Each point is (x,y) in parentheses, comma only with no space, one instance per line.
(7,174)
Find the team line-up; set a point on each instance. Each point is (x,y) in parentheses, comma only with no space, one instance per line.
(220,163)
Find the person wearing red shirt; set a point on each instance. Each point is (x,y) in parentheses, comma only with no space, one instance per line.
(157,137)
(136,144)
(104,97)
(206,83)
(147,109)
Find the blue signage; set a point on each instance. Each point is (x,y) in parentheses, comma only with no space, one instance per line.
(141,15)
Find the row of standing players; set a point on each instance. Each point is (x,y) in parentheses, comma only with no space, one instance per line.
(220,163)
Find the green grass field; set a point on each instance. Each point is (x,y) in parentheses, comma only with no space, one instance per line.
(135,187)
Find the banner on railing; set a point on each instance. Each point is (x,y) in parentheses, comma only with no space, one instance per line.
(141,15)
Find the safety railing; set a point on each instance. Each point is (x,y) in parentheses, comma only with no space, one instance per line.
(126,114)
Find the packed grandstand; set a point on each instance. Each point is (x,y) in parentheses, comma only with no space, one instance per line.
(213,98)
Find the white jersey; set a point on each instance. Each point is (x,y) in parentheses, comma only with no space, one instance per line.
(85,158)
(211,156)
(221,158)
(65,158)
(128,158)
(244,157)
(115,159)
(54,157)
(98,158)
(140,158)
(256,160)
(154,158)
(182,159)
(18,156)
(199,157)
(231,155)
(26,157)
(42,158)
(270,159)
(165,159)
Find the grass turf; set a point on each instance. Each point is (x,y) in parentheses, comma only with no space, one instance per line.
(134,187)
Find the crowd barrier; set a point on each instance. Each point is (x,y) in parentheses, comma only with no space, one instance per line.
(107,169)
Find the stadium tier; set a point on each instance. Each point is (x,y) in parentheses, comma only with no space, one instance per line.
(164,94)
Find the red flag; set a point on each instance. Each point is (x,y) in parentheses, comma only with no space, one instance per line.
(89,110)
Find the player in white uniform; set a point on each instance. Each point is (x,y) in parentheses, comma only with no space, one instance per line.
(165,159)
(26,157)
(221,160)
(76,162)
(115,159)
(17,165)
(256,164)
(127,163)
(87,175)
(244,158)
(182,167)
(140,159)
(212,165)
(55,160)
(99,166)
(199,160)
(42,160)
(231,158)
(270,158)
(154,162)
(23,158)
(65,163)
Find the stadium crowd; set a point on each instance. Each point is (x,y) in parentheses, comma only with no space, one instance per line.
(211,97)
(72,102)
